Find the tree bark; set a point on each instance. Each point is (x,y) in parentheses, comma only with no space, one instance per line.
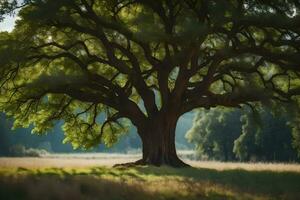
(158,140)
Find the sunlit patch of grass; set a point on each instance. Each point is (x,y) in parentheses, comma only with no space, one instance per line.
(257,166)
(147,183)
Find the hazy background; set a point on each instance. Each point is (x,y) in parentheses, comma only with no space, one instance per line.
(52,142)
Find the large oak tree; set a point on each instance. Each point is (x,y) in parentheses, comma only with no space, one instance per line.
(95,63)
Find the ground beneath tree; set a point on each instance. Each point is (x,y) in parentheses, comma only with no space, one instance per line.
(110,159)
(227,181)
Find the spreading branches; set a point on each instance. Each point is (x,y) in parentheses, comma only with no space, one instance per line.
(141,58)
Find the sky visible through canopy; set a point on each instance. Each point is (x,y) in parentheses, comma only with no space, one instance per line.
(8,23)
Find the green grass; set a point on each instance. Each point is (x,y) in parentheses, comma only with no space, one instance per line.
(142,183)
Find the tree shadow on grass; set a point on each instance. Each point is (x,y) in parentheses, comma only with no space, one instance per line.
(277,185)
(76,187)
(148,183)
(122,184)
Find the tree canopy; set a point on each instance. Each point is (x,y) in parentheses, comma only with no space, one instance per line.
(95,63)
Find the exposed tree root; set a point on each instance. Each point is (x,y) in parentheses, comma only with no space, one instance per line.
(176,164)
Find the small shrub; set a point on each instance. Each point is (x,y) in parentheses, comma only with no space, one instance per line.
(17,150)
(21,151)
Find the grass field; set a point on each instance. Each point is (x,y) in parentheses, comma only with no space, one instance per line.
(92,177)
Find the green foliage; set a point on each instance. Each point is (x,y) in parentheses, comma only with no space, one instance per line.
(75,60)
(249,135)
(26,97)
(295,126)
(52,142)
(6,7)
(213,133)
(271,140)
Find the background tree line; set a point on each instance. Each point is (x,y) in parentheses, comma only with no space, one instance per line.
(216,134)
(53,141)
(245,135)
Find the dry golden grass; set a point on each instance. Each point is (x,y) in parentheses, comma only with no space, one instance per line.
(104,159)
(60,162)
(280,167)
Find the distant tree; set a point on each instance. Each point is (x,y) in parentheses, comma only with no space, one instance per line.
(146,61)
(232,134)
(270,141)
(214,132)
(4,138)
(295,126)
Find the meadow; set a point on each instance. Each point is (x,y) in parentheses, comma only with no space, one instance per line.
(93,177)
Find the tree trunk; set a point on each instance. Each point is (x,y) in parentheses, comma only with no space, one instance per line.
(158,139)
